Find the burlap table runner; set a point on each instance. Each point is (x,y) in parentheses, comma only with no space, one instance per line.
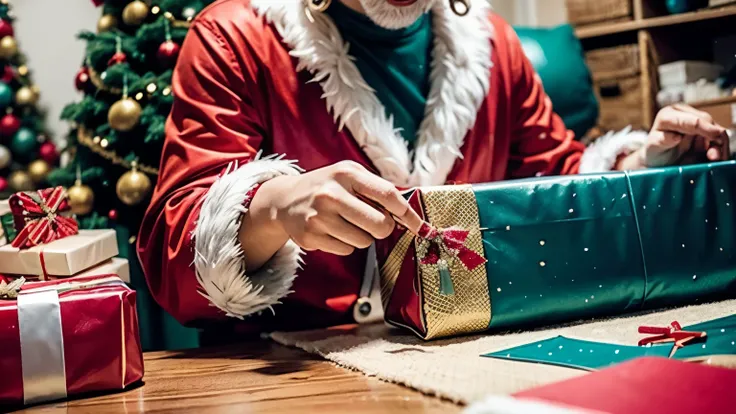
(453,368)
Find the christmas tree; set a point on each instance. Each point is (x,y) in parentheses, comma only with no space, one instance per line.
(117,131)
(27,155)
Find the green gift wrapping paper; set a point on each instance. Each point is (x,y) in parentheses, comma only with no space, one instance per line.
(575,247)
(720,341)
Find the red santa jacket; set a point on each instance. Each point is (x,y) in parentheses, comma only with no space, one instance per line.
(264,76)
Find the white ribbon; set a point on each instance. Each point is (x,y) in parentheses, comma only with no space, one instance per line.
(41,346)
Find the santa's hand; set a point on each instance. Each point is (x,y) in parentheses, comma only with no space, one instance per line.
(681,135)
(325,209)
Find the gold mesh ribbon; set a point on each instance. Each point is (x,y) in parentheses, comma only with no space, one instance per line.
(468,310)
(392,267)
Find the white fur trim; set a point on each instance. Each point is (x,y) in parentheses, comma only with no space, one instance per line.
(460,81)
(498,404)
(601,155)
(218,258)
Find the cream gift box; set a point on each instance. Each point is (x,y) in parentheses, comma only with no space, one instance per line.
(63,257)
(115,266)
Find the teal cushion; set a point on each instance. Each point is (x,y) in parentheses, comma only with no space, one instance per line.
(558,57)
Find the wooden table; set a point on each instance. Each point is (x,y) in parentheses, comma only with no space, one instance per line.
(252,378)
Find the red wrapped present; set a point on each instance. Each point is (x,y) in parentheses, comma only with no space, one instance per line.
(67,337)
(41,217)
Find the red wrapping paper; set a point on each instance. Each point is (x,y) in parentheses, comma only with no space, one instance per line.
(41,217)
(101,346)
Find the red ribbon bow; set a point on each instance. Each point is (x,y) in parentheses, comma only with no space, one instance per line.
(38,217)
(451,240)
(671,333)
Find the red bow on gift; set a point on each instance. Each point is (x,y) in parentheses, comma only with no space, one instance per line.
(38,217)
(452,241)
(671,333)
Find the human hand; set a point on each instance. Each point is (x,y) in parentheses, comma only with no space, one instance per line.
(325,209)
(681,135)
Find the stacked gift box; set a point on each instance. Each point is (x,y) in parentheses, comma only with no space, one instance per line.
(81,253)
(63,298)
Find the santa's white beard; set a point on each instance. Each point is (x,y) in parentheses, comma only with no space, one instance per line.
(393,17)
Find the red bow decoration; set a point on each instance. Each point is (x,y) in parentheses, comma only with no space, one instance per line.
(671,333)
(451,240)
(38,217)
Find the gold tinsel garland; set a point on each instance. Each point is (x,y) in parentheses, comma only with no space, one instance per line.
(85,138)
(99,84)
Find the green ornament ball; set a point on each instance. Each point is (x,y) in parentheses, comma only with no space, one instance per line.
(24,144)
(6,95)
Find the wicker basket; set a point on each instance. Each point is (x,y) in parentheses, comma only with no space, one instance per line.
(580,12)
(613,63)
(620,103)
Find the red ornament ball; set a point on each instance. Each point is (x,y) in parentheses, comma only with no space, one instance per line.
(82,81)
(3,184)
(8,74)
(6,28)
(167,54)
(47,152)
(9,125)
(117,58)
(113,215)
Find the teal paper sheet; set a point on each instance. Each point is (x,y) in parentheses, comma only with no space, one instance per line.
(590,355)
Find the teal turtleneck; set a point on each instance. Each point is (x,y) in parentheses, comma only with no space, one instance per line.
(396,63)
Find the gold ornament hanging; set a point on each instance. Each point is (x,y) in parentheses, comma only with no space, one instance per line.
(26,96)
(133,187)
(20,181)
(135,13)
(81,198)
(124,114)
(38,170)
(106,23)
(8,47)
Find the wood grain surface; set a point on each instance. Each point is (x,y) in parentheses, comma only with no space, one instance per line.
(252,378)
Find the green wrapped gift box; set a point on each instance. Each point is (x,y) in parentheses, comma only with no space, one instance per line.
(560,249)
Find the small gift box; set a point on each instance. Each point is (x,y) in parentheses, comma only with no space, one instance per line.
(41,217)
(67,337)
(560,249)
(63,257)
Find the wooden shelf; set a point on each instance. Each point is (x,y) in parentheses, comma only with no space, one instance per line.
(663,21)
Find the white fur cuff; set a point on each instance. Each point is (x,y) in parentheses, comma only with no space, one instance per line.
(601,155)
(218,258)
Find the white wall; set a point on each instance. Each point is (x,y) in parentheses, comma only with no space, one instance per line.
(46,32)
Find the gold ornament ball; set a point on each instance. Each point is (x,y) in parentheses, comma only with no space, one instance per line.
(20,181)
(133,187)
(106,23)
(8,47)
(81,198)
(38,170)
(26,96)
(135,13)
(124,114)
